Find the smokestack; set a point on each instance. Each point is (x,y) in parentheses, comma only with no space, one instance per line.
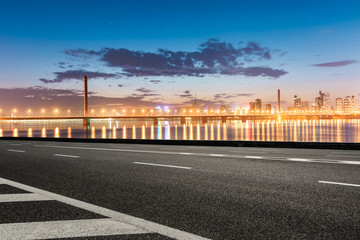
(279,100)
(86,105)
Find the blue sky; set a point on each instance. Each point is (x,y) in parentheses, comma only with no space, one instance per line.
(313,45)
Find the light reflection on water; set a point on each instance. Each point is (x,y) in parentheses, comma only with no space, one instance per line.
(289,130)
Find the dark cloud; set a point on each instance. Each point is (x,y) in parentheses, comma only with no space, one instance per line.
(76,74)
(335,64)
(212,57)
(143,90)
(227,96)
(42,97)
(145,95)
(186,94)
(155,81)
(121,85)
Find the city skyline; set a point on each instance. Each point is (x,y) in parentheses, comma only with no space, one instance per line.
(149,55)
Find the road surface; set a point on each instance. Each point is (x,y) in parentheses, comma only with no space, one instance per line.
(63,190)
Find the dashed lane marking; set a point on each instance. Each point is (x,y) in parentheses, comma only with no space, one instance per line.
(69,156)
(116,223)
(216,155)
(339,183)
(272,158)
(161,165)
(14,150)
(254,157)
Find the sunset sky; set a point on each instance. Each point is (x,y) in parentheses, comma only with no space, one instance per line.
(150,53)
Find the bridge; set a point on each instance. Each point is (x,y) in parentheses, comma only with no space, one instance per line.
(183,118)
(180,117)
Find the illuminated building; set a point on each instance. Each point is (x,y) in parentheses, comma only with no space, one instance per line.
(339,104)
(258,104)
(323,102)
(252,106)
(350,104)
(268,108)
(318,103)
(223,109)
(297,102)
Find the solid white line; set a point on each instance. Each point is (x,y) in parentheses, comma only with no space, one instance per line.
(22,197)
(67,229)
(69,156)
(162,165)
(121,217)
(13,150)
(184,153)
(254,157)
(216,155)
(338,183)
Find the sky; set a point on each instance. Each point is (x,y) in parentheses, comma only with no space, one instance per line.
(157,53)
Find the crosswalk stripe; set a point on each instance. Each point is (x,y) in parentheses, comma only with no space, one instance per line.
(66,229)
(23,197)
(149,227)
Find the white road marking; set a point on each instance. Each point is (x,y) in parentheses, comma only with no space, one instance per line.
(15,144)
(347,156)
(272,158)
(254,157)
(22,197)
(115,216)
(216,155)
(299,159)
(69,156)
(67,229)
(13,150)
(339,183)
(162,165)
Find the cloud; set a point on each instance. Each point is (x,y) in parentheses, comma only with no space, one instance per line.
(121,85)
(186,94)
(155,81)
(227,96)
(76,74)
(212,57)
(335,64)
(145,95)
(42,97)
(143,90)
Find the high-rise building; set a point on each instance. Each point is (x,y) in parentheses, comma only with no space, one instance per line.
(355,105)
(258,104)
(339,104)
(297,102)
(323,102)
(350,104)
(347,104)
(268,108)
(318,103)
(327,102)
(252,106)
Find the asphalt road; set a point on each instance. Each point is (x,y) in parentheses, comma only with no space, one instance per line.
(213,192)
